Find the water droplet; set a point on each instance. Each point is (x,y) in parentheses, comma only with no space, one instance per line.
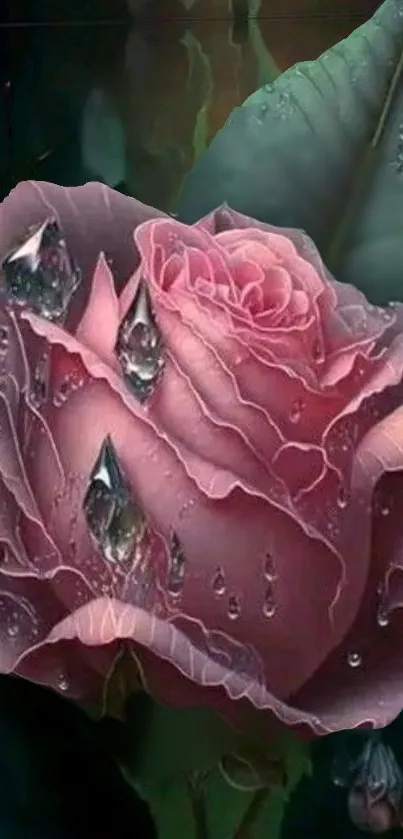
(317,351)
(40,272)
(115,521)
(296,410)
(218,582)
(269,568)
(269,603)
(40,382)
(139,346)
(63,683)
(342,497)
(4,341)
(382,617)
(177,567)
(63,392)
(234,607)
(354,660)
(285,107)
(398,163)
(12,630)
(384,510)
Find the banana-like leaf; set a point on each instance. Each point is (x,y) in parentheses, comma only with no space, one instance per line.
(321,148)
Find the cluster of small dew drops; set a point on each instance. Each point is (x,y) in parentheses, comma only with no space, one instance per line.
(234,610)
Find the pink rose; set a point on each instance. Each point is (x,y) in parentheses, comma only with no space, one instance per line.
(201,462)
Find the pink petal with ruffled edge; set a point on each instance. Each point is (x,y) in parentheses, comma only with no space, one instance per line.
(94,218)
(206,531)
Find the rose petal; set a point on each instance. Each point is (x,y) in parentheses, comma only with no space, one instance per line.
(206,530)
(94,219)
(99,324)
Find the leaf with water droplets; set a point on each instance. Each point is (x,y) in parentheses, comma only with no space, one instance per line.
(321,149)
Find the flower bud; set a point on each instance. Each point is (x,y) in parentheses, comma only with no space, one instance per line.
(376,790)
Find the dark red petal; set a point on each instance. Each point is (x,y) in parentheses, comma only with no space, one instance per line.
(371,693)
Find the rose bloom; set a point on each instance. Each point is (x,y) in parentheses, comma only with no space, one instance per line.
(200,459)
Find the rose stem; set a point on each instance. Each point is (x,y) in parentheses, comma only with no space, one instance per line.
(251,813)
(199,807)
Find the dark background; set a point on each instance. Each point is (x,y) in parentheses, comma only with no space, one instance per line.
(130,91)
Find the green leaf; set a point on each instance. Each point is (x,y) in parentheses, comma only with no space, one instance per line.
(183,744)
(176,741)
(322,149)
(297,761)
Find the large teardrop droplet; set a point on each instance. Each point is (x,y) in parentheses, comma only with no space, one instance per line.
(116,522)
(40,273)
(139,345)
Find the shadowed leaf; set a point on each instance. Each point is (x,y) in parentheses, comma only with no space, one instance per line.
(322,149)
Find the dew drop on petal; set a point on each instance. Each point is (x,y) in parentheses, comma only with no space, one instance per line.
(342,497)
(4,340)
(296,410)
(269,568)
(63,683)
(115,521)
(269,603)
(234,607)
(218,582)
(176,567)
(139,347)
(382,617)
(354,659)
(39,389)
